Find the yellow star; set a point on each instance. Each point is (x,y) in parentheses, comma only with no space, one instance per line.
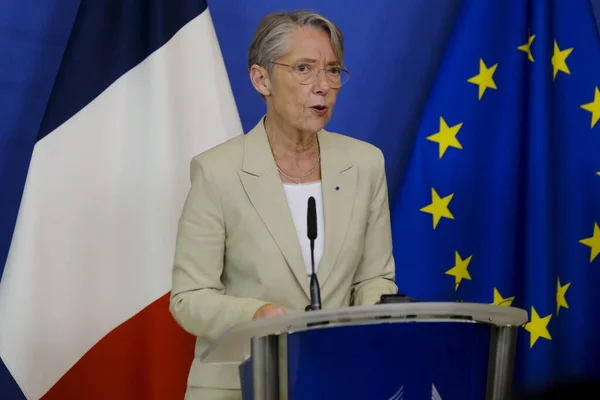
(438,207)
(485,79)
(598,173)
(593,242)
(559,60)
(537,327)
(500,301)
(594,107)
(527,47)
(459,271)
(446,136)
(560,295)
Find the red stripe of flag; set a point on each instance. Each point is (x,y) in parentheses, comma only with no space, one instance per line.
(147,357)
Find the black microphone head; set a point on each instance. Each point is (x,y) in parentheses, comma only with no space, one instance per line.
(311,219)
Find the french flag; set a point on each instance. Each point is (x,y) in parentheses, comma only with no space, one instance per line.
(103,103)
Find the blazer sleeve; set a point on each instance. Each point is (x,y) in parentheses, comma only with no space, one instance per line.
(198,301)
(375,274)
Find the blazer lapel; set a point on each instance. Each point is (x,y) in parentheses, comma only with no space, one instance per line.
(339,181)
(263,186)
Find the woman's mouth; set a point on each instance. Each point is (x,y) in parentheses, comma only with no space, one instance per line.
(319,110)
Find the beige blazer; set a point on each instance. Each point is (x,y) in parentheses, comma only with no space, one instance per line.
(237,247)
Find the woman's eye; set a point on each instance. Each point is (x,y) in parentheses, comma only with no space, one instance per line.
(303,68)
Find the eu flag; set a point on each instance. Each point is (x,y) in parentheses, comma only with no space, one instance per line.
(500,202)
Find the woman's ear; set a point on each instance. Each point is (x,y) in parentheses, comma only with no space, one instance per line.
(260,80)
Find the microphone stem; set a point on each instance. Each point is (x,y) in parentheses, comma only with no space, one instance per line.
(312,255)
(314,283)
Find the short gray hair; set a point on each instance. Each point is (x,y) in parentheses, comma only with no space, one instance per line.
(270,39)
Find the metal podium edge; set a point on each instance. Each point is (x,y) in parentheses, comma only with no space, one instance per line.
(474,312)
(283,367)
(501,359)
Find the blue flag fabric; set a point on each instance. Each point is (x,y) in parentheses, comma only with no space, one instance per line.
(500,202)
(33,38)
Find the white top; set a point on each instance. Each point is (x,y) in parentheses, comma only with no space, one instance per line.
(297,196)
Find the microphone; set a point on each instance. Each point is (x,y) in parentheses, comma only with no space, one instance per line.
(311,232)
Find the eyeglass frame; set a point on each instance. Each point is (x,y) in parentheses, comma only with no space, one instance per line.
(317,73)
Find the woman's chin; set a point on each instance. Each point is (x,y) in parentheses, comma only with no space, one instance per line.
(316,122)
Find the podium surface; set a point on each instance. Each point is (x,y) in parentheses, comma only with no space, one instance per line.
(388,351)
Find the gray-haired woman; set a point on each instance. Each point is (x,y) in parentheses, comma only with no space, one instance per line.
(242,248)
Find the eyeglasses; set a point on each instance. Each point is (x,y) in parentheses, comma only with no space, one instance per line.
(305,74)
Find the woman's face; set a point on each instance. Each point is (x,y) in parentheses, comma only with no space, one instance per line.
(304,107)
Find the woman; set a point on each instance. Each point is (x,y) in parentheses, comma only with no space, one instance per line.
(242,248)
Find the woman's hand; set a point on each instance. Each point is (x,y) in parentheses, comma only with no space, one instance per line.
(268,310)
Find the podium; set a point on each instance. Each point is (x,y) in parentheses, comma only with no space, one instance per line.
(401,351)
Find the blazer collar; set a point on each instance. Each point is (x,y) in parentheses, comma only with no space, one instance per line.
(262,183)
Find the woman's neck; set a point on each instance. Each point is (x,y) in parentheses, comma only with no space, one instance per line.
(287,142)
